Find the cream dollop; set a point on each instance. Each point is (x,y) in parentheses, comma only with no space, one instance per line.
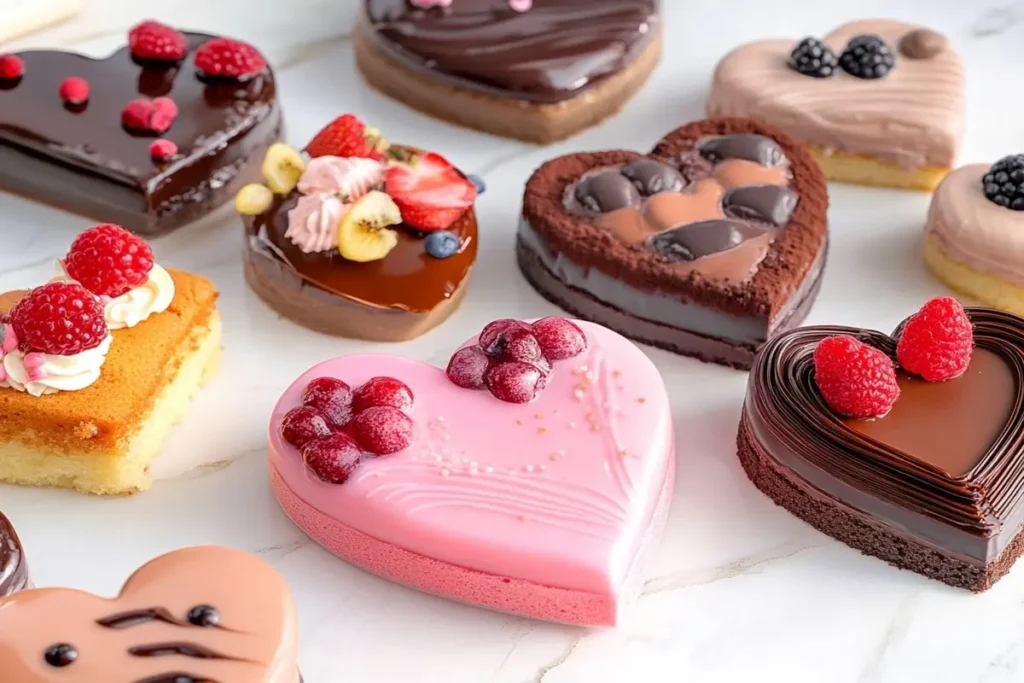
(313,223)
(46,373)
(348,177)
(138,303)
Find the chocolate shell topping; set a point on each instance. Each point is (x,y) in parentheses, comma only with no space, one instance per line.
(606,191)
(768,203)
(697,240)
(13,568)
(747,146)
(651,176)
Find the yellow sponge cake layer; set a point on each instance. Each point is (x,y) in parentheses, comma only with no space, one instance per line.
(862,169)
(988,289)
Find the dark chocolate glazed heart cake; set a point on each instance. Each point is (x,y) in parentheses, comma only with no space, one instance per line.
(537,70)
(13,568)
(707,246)
(930,476)
(154,136)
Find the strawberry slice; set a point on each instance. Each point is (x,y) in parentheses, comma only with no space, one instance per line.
(430,193)
(347,136)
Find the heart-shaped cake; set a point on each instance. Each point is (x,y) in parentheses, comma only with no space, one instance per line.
(13,568)
(532,476)
(197,614)
(707,246)
(928,473)
(154,136)
(880,102)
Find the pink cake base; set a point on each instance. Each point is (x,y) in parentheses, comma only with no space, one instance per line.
(500,593)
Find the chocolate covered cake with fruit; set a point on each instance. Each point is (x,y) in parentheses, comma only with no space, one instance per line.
(908,447)
(13,568)
(707,246)
(358,238)
(152,137)
(536,70)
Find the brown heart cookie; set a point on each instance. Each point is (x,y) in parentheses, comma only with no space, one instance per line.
(707,246)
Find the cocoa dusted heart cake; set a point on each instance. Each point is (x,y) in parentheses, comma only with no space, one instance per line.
(908,447)
(13,568)
(707,246)
(156,135)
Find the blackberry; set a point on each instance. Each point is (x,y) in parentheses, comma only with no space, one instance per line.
(1004,182)
(811,57)
(867,56)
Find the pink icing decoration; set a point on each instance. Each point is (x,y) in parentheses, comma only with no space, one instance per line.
(350,178)
(560,493)
(313,223)
(34,362)
(10,341)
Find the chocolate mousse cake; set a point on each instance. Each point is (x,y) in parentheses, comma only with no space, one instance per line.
(13,568)
(931,478)
(535,70)
(152,137)
(707,246)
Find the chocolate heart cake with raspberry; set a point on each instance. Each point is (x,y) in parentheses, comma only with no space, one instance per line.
(907,447)
(13,569)
(708,246)
(152,137)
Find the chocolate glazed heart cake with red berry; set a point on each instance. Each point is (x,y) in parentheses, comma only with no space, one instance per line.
(152,137)
(906,447)
(708,246)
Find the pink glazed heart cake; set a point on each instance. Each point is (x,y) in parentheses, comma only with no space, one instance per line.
(532,476)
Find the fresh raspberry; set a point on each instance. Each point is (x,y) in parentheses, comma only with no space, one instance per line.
(11,67)
(382,391)
(514,382)
(163,114)
(333,458)
(331,397)
(108,260)
(559,338)
(301,425)
(162,150)
(154,41)
(857,380)
(491,336)
(382,430)
(937,341)
(59,318)
(467,367)
(228,59)
(347,136)
(74,90)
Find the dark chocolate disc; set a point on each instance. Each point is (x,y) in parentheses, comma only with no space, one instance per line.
(697,240)
(60,655)
(203,615)
(607,191)
(748,146)
(651,177)
(769,203)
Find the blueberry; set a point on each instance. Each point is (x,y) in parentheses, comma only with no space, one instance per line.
(442,244)
(478,183)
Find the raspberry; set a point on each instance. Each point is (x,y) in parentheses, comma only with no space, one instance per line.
(301,425)
(559,338)
(937,341)
(59,318)
(333,458)
(382,430)
(490,337)
(228,59)
(331,397)
(857,380)
(382,391)
(108,260)
(74,90)
(152,40)
(514,382)
(162,150)
(11,67)
(467,367)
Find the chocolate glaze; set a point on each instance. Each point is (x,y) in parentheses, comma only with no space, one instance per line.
(606,191)
(651,176)
(13,568)
(83,160)
(967,504)
(551,53)
(698,240)
(750,147)
(767,203)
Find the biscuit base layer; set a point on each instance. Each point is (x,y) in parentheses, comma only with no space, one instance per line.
(987,289)
(861,532)
(862,169)
(126,469)
(538,122)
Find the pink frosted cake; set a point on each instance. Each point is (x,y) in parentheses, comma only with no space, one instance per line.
(533,476)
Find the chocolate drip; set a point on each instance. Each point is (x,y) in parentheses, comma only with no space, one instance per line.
(140,616)
(747,146)
(13,568)
(769,203)
(697,240)
(176,677)
(176,648)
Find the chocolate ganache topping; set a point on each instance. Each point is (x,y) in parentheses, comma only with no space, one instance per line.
(13,569)
(945,466)
(548,53)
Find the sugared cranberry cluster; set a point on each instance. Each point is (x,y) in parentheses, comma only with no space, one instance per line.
(512,359)
(335,427)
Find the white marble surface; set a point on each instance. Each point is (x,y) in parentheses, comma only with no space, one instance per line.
(742,591)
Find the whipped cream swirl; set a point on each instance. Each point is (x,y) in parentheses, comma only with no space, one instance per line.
(137,304)
(45,373)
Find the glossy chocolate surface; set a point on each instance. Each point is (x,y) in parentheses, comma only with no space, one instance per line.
(945,466)
(550,53)
(13,568)
(83,160)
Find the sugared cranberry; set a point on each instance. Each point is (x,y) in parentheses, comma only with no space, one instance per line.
(514,382)
(164,112)
(467,367)
(331,397)
(559,338)
(491,335)
(518,344)
(332,458)
(74,90)
(162,149)
(301,425)
(11,67)
(382,430)
(382,391)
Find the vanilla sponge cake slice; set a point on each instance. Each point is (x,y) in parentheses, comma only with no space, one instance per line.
(102,439)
